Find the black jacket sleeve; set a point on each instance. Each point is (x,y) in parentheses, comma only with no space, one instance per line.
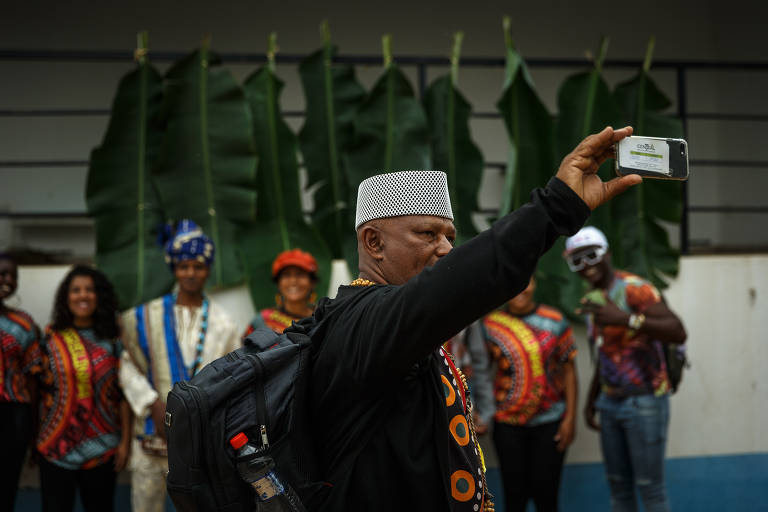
(403,324)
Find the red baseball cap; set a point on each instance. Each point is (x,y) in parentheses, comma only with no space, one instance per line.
(294,258)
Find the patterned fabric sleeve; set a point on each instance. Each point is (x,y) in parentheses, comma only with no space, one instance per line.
(34,359)
(32,355)
(566,349)
(641,295)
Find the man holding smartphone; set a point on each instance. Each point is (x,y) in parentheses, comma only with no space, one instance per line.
(628,321)
(393,415)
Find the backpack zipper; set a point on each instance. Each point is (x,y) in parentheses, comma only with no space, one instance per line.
(261,403)
(264,439)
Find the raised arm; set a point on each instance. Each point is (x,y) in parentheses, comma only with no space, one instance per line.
(407,322)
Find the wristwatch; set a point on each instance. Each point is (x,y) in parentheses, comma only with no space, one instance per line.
(636,321)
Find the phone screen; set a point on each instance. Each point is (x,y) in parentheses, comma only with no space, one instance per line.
(653,157)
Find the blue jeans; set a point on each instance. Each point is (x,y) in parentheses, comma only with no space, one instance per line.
(633,436)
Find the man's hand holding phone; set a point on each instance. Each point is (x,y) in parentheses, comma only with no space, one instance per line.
(579,168)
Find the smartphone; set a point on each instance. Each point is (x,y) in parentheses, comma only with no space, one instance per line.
(652,157)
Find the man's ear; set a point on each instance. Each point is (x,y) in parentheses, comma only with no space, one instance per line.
(370,238)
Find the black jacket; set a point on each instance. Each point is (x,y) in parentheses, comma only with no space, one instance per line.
(377,401)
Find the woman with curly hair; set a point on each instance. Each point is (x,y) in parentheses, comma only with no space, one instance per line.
(295,274)
(83,439)
(17,334)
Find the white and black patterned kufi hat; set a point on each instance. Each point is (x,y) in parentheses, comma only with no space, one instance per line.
(403,193)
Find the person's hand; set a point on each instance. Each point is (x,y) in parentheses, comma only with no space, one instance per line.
(589,416)
(565,433)
(158,416)
(606,314)
(122,454)
(579,168)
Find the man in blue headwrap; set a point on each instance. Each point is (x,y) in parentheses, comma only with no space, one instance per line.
(168,340)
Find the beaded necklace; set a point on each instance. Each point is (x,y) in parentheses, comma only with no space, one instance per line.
(362,282)
(201,337)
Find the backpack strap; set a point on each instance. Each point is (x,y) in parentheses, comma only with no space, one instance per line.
(261,339)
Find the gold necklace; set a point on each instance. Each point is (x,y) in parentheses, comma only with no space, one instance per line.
(362,282)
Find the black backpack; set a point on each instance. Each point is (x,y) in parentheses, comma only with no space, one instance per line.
(260,388)
(676,360)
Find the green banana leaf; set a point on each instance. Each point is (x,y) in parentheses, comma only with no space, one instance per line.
(207,167)
(586,105)
(390,134)
(333,96)
(281,224)
(531,162)
(643,245)
(119,192)
(530,129)
(390,129)
(452,147)
(278,170)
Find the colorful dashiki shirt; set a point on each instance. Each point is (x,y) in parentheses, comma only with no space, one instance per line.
(630,363)
(466,465)
(79,398)
(272,318)
(530,352)
(18,333)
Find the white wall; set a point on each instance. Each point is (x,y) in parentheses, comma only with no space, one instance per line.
(720,407)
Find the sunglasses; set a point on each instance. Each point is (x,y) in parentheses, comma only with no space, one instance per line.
(581,259)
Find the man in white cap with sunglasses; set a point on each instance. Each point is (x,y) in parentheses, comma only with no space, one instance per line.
(393,419)
(628,322)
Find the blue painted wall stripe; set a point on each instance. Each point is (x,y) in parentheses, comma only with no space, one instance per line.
(695,484)
(700,484)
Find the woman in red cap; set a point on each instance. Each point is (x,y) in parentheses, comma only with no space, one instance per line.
(295,273)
